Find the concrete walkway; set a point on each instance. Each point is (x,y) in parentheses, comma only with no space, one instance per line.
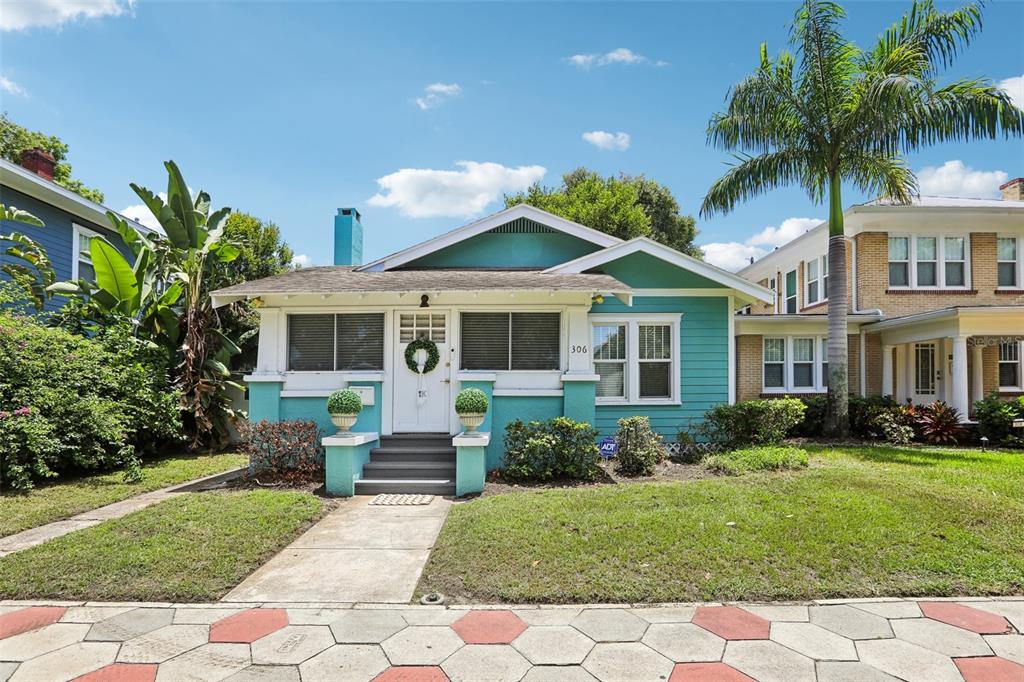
(357,553)
(829,641)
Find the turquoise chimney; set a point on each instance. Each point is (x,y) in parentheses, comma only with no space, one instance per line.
(348,237)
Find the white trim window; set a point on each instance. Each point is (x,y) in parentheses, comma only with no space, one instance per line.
(816,281)
(1008,262)
(636,358)
(929,262)
(506,341)
(329,342)
(795,364)
(1011,366)
(790,284)
(81,261)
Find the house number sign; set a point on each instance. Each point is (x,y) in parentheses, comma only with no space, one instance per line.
(578,349)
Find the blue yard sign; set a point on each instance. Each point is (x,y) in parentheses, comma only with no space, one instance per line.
(608,447)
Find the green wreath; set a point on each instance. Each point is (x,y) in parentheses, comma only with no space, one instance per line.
(433,356)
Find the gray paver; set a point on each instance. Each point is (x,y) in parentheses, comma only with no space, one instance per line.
(1012,611)
(267,673)
(610,625)
(666,614)
(91,614)
(627,662)
(38,642)
(892,609)
(684,642)
(292,644)
(813,641)
(553,645)
(908,661)
(941,637)
(129,625)
(421,645)
(303,616)
(850,671)
(67,663)
(366,627)
(202,616)
(485,663)
(163,643)
(547,616)
(429,615)
(1010,647)
(6,669)
(559,673)
(208,663)
(781,612)
(851,622)
(769,661)
(345,663)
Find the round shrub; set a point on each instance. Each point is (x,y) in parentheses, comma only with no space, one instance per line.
(752,422)
(345,401)
(557,448)
(639,447)
(471,401)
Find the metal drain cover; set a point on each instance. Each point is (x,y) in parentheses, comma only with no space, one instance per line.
(394,500)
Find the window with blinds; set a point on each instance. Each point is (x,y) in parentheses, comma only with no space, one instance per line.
(518,341)
(610,360)
(635,360)
(343,342)
(655,361)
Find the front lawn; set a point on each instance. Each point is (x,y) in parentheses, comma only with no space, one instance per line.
(861,521)
(67,497)
(194,547)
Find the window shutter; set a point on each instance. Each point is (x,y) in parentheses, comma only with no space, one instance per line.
(485,341)
(535,341)
(311,343)
(360,342)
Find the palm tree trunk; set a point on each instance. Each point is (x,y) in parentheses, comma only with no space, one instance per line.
(837,417)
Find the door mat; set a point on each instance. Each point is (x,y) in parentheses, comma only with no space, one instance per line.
(392,500)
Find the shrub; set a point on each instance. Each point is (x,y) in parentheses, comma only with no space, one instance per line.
(471,401)
(812,424)
(940,424)
(892,426)
(995,417)
(864,413)
(639,447)
(290,450)
(27,443)
(345,401)
(746,460)
(752,422)
(559,447)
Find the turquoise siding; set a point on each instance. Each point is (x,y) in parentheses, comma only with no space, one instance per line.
(502,250)
(644,271)
(470,470)
(578,400)
(507,409)
(316,409)
(344,466)
(703,362)
(265,401)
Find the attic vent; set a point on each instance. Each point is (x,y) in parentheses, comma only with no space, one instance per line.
(521,226)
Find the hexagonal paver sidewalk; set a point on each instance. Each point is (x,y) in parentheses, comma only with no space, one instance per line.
(730,622)
(420,673)
(248,626)
(966,617)
(489,627)
(31,618)
(707,672)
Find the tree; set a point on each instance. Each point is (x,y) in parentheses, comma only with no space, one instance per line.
(14,139)
(836,113)
(625,207)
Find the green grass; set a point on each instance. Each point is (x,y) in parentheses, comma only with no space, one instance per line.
(67,497)
(194,547)
(766,458)
(859,522)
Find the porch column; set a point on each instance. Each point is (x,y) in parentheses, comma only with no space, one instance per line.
(902,372)
(887,370)
(977,373)
(958,397)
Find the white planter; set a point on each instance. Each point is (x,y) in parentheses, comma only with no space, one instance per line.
(344,422)
(472,421)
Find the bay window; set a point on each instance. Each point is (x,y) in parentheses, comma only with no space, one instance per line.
(636,359)
(1010,369)
(511,341)
(929,262)
(1008,262)
(795,364)
(345,342)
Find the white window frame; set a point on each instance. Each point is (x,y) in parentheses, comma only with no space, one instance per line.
(632,378)
(77,231)
(787,294)
(1018,262)
(940,261)
(819,342)
(820,279)
(1020,366)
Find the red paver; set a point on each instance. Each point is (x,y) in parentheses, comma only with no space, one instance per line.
(412,673)
(32,618)
(975,620)
(731,622)
(489,627)
(248,626)
(121,672)
(989,669)
(707,672)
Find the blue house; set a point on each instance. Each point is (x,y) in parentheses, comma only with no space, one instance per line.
(69,220)
(546,316)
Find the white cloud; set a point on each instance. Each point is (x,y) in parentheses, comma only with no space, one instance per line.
(954,179)
(430,193)
(437,93)
(12,88)
(602,139)
(23,14)
(620,55)
(733,256)
(301,260)
(140,213)
(1014,86)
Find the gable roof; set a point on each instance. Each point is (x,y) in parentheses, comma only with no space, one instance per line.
(490,222)
(748,290)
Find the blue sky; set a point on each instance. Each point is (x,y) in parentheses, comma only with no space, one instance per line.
(422,114)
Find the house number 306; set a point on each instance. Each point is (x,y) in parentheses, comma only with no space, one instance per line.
(579,349)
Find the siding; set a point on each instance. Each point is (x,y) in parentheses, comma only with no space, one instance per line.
(508,250)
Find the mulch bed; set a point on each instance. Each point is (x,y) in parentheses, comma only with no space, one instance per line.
(666,471)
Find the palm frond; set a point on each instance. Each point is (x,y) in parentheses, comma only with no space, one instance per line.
(940,35)
(753,175)
(886,176)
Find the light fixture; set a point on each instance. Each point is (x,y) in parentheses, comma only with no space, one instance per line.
(984,443)
(597,298)
(424,301)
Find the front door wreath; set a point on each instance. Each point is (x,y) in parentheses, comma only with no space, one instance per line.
(433,356)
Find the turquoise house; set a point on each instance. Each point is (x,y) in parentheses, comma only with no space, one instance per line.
(546,316)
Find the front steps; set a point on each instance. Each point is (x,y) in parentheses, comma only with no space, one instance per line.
(410,463)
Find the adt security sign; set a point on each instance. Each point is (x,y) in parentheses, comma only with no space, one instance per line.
(608,447)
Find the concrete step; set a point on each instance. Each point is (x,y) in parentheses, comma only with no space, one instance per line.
(409,470)
(406,440)
(393,454)
(371,486)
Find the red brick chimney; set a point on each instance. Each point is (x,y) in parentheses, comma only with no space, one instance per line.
(1013,190)
(39,162)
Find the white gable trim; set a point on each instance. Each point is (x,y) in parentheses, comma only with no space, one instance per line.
(748,290)
(483,225)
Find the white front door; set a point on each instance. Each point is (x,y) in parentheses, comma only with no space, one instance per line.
(421,401)
(924,380)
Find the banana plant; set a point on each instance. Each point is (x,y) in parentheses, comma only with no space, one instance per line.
(36,272)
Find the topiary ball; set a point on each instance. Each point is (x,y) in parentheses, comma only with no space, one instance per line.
(345,401)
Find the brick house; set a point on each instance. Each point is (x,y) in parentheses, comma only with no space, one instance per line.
(936,304)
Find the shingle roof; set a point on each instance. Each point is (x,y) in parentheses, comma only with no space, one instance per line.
(344,279)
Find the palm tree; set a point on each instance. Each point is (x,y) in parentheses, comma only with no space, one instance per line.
(834,112)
